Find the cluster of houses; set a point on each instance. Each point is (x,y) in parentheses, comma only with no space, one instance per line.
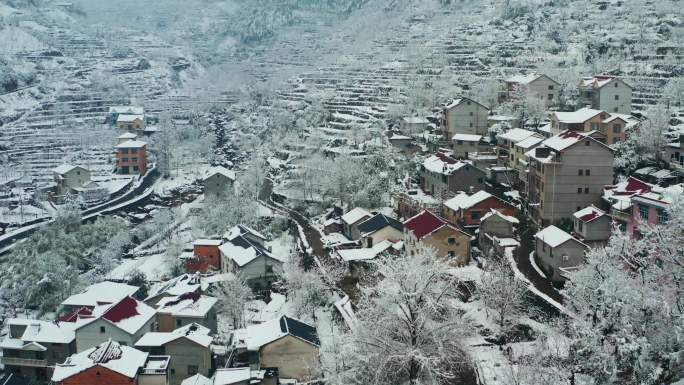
(558,172)
(110,334)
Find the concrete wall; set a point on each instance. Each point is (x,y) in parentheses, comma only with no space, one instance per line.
(89,335)
(184,353)
(293,357)
(546,89)
(596,230)
(559,196)
(606,97)
(497,226)
(551,259)
(168,322)
(439,240)
(386,233)
(218,184)
(258,269)
(468,117)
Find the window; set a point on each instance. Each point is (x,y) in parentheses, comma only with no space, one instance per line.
(617,128)
(471,113)
(193,369)
(617,97)
(565,258)
(452,255)
(594,126)
(480,180)
(579,190)
(123,343)
(459,142)
(586,190)
(616,85)
(130,126)
(550,96)
(451,241)
(179,322)
(587,172)
(469,103)
(615,109)
(551,87)
(587,142)
(471,124)
(663,217)
(475,215)
(102,329)
(580,172)
(643,212)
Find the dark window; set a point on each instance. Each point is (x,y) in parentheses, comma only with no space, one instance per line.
(550,87)
(579,172)
(102,329)
(579,190)
(459,141)
(616,85)
(193,369)
(550,96)
(475,215)
(179,322)
(663,216)
(617,128)
(586,190)
(617,97)
(451,241)
(587,172)
(471,113)
(643,211)
(587,143)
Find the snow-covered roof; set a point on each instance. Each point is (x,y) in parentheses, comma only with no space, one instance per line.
(467,137)
(456,102)
(182,284)
(599,81)
(230,376)
(230,174)
(355,215)
(579,116)
(131,110)
(128,118)
(501,215)
(553,236)
(257,311)
(41,332)
(567,139)
(368,253)
(111,355)
(242,251)
(516,135)
(589,214)
(129,315)
(526,79)
(105,292)
(127,135)
(464,201)
(198,379)
(443,164)
(529,142)
(239,230)
(660,196)
(132,144)
(192,304)
(415,120)
(253,337)
(396,136)
(65,168)
(193,332)
(207,242)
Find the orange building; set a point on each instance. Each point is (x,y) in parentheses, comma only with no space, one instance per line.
(206,256)
(131,157)
(467,210)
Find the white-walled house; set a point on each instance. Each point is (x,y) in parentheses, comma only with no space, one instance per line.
(351,221)
(464,116)
(218,181)
(592,225)
(557,252)
(243,254)
(68,178)
(607,93)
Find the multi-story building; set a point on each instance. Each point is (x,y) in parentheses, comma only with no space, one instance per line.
(429,230)
(68,178)
(185,309)
(464,116)
(218,181)
(467,210)
(131,157)
(607,93)
(557,252)
(539,85)
(206,256)
(506,142)
(651,208)
(442,175)
(612,126)
(567,172)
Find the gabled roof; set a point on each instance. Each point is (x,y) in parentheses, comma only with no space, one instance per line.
(132,110)
(230,174)
(38,331)
(457,102)
(599,81)
(426,223)
(191,304)
(443,164)
(527,78)
(497,213)
(207,242)
(516,135)
(238,230)
(589,214)
(529,142)
(184,283)
(253,337)
(231,376)
(129,315)
(111,355)
(463,201)
(101,293)
(132,144)
(127,118)
(355,215)
(467,137)
(193,332)
(415,120)
(199,379)
(368,253)
(127,135)
(379,222)
(241,250)
(569,138)
(554,237)
(579,116)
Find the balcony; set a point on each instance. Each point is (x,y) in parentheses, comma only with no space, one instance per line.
(18,361)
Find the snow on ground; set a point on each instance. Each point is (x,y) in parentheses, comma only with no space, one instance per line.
(283,246)
(14,39)
(334,239)
(534,265)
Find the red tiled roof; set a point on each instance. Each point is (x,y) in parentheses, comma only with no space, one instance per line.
(127,308)
(589,217)
(445,158)
(637,186)
(424,224)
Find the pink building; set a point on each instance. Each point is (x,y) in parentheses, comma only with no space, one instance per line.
(651,207)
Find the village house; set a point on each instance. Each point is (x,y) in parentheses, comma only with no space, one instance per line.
(607,93)
(124,322)
(464,116)
(206,256)
(441,175)
(357,259)
(131,157)
(400,142)
(612,126)
(68,178)
(130,122)
(185,309)
(519,161)
(592,226)
(465,144)
(566,173)
(413,201)
(351,222)
(244,252)
(244,376)
(218,181)
(447,240)
(413,125)
(284,343)
(188,347)
(506,142)
(184,283)
(657,176)
(651,207)
(673,155)
(467,210)
(497,231)
(557,252)
(112,363)
(618,199)
(31,348)
(97,294)
(539,85)
(115,111)
(380,228)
